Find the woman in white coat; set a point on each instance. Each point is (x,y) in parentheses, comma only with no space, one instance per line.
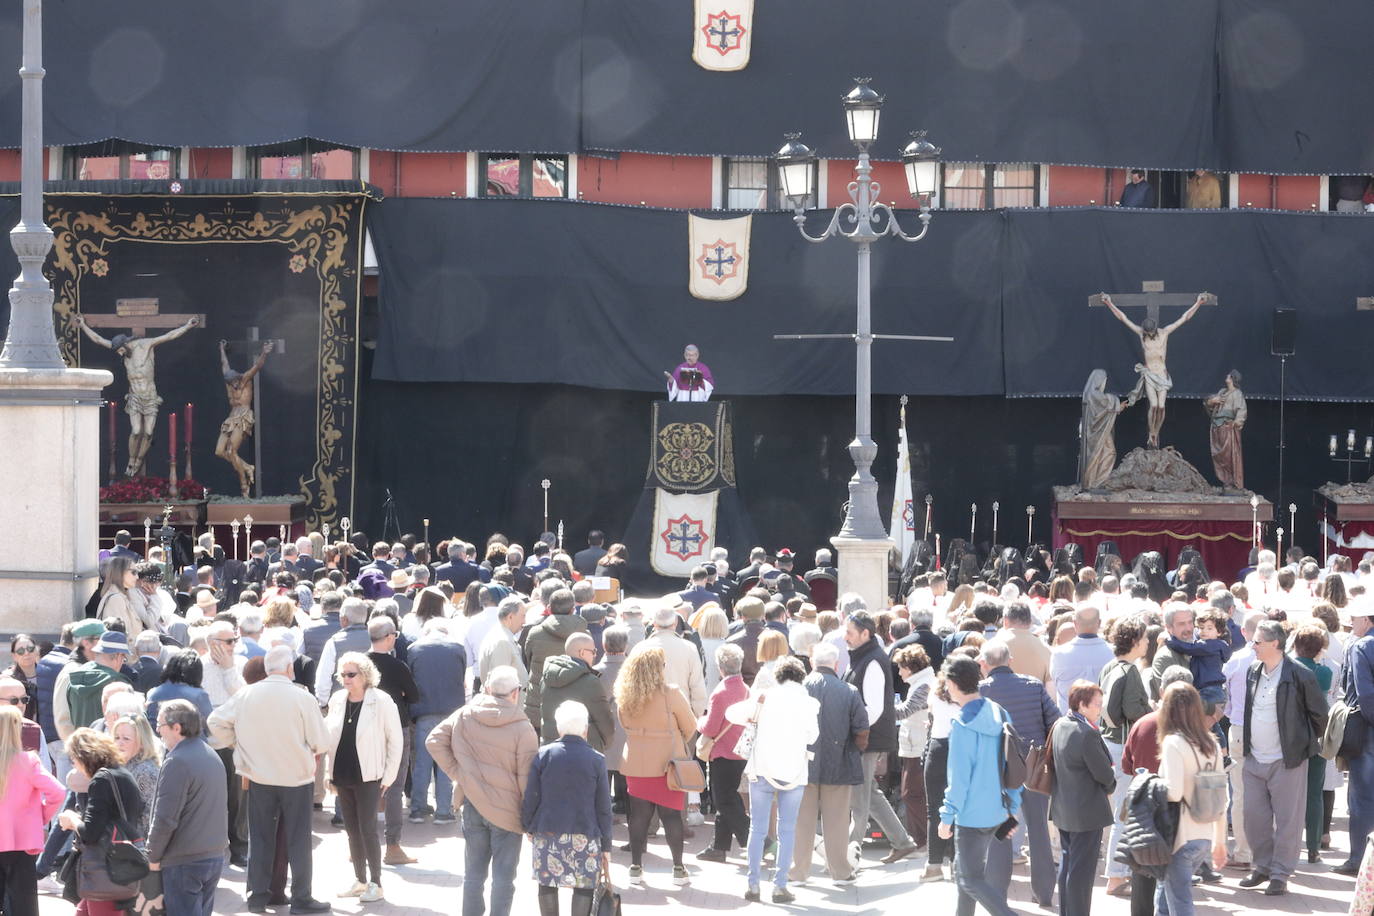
(365,748)
(787,721)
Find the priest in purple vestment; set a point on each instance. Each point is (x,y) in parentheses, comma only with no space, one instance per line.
(692,380)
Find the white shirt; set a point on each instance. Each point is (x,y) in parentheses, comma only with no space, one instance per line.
(941,716)
(872,691)
(1234,671)
(1265,745)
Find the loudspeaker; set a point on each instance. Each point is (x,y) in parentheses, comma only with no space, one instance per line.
(1284,336)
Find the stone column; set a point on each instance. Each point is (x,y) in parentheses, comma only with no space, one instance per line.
(863,569)
(50,489)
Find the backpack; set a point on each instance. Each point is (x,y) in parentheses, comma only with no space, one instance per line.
(1113,684)
(1207,799)
(1013,763)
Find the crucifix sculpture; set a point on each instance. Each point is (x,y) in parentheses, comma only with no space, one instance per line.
(1154,380)
(136,349)
(243,390)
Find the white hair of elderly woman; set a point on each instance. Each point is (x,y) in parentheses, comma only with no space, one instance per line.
(278,660)
(571,718)
(803,637)
(824,655)
(124,704)
(502,681)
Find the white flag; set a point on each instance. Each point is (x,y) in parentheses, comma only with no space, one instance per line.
(722,33)
(718,253)
(903,525)
(684,531)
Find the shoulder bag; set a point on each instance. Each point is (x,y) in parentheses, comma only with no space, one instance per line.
(113,868)
(684,773)
(744,744)
(1040,766)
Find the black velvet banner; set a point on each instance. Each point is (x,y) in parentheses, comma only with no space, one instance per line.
(529,291)
(1072,82)
(692,448)
(1235,85)
(540,291)
(289,265)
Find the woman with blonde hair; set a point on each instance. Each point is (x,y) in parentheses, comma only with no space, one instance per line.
(960,601)
(658,723)
(29,797)
(279,612)
(772,648)
(142,755)
(714,628)
(364,728)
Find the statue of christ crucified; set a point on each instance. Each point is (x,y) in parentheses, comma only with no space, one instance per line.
(1154,380)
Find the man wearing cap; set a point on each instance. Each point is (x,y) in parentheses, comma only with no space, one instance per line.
(76,701)
(682,661)
(785,560)
(399,581)
(1358,680)
(203,606)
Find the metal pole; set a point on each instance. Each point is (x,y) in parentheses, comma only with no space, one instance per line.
(31,342)
(1283,377)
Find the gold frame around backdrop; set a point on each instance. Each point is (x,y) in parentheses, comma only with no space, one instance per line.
(318,231)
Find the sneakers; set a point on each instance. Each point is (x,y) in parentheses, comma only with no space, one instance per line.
(694,817)
(371,894)
(51,885)
(357,889)
(680,875)
(445,818)
(711,854)
(637,874)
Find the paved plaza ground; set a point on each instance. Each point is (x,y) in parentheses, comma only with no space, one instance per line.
(434,885)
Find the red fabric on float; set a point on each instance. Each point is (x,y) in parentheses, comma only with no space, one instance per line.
(1225,546)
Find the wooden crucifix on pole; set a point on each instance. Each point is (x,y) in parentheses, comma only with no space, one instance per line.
(1154,380)
(136,349)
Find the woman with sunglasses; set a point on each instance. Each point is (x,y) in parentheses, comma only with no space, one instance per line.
(365,737)
(24,651)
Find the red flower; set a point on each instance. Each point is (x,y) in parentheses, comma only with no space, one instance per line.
(150,490)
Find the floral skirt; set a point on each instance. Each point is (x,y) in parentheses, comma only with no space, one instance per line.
(566,859)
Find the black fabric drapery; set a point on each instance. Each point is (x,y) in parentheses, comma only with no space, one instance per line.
(530,291)
(540,291)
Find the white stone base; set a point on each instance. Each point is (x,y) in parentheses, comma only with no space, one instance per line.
(49,495)
(863,569)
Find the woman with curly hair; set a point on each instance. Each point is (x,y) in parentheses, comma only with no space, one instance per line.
(658,723)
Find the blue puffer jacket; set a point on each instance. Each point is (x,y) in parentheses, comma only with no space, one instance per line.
(974,796)
(1033,711)
(49,666)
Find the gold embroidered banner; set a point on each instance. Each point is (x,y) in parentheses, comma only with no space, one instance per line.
(693,448)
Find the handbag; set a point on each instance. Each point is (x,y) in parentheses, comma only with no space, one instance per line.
(1040,766)
(112,868)
(684,773)
(605,901)
(744,744)
(706,742)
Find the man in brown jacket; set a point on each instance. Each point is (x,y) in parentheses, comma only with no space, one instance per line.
(486,748)
(749,610)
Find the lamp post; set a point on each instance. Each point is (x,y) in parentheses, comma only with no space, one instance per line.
(864,219)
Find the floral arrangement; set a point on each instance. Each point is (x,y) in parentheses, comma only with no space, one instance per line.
(151,490)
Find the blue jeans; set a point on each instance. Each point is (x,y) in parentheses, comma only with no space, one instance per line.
(1360,799)
(1123,785)
(761,795)
(1175,895)
(424,766)
(971,872)
(486,844)
(189,889)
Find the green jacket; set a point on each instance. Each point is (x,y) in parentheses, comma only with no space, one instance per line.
(567,678)
(84,688)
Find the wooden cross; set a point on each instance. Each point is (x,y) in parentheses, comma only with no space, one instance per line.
(1152,297)
(139,316)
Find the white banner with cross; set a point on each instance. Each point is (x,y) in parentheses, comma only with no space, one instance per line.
(722,33)
(684,531)
(718,257)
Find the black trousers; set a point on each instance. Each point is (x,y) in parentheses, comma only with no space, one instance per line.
(238,842)
(731,818)
(937,758)
(1080,849)
(19,879)
(358,805)
(267,806)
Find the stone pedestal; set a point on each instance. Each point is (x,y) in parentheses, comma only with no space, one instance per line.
(49,491)
(863,569)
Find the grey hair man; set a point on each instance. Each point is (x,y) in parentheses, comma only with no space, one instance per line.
(351,638)
(500,648)
(276,732)
(1179,620)
(682,659)
(189,814)
(835,771)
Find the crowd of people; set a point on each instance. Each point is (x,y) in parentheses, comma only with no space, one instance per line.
(1166,736)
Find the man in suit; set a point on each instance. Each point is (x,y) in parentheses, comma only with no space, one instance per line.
(584,561)
(305,560)
(457,571)
(122,548)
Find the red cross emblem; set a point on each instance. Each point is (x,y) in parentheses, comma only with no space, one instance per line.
(724,33)
(719,261)
(908,517)
(684,537)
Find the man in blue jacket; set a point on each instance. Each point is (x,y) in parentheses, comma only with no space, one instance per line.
(975,803)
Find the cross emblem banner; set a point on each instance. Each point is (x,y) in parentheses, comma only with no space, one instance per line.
(722,34)
(720,257)
(684,531)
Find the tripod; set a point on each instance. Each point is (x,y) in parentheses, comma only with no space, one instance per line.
(390,520)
